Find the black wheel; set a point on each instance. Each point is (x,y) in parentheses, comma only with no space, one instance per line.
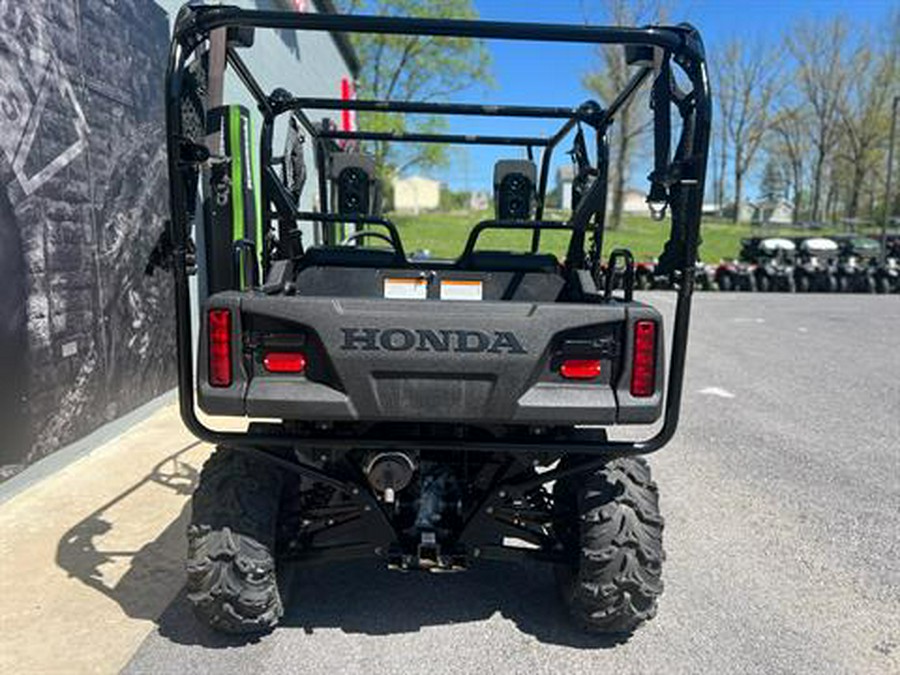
(231,572)
(844,284)
(725,283)
(763,285)
(802,284)
(610,524)
(884,285)
(833,284)
(749,283)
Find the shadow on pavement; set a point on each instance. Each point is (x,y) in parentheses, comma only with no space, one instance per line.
(145,588)
(356,597)
(366,598)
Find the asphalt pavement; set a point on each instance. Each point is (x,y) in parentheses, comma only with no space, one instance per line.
(781,494)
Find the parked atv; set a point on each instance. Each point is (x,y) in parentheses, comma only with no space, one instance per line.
(886,275)
(855,273)
(704,276)
(428,413)
(644,273)
(732,275)
(815,269)
(773,261)
(647,277)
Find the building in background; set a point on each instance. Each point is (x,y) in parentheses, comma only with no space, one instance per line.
(85,335)
(773,212)
(416,194)
(480,200)
(564,177)
(634,202)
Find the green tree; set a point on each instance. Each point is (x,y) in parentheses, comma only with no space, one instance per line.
(865,113)
(746,83)
(791,143)
(821,78)
(773,186)
(608,81)
(414,68)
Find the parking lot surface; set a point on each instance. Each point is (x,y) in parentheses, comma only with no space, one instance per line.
(781,494)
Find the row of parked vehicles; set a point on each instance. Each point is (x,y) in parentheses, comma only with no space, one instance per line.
(836,264)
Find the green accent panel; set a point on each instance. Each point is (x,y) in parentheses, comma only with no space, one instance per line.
(257,189)
(237,194)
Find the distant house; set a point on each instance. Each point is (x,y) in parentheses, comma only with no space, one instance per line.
(479,201)
(416,193)
(773,212)
(634,201)
(745,211)
(564,177)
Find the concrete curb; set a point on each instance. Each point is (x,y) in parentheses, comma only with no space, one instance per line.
(52,463)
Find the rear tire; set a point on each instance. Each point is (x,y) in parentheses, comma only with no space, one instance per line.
(725,283)
(231,570)
(844,285)
(612,526)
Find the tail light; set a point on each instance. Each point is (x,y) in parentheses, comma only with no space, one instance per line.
(643,359)
(220,348)
(580,369)
(284,362)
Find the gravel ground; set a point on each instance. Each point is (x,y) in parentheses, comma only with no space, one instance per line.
(782,498)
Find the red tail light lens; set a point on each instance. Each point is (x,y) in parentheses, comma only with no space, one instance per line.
(220,347)
(643,359)
(284,362)
(580,369)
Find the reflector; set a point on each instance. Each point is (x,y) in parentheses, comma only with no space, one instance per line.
(580,369)
(643,359)
(284,362)
(220,347)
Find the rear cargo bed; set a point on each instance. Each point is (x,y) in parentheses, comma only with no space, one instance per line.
(430,361)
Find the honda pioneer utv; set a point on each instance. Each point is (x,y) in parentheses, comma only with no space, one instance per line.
(430,413)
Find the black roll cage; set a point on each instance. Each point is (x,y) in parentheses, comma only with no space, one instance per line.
(677,182)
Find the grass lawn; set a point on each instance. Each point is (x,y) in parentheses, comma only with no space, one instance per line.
(445,234)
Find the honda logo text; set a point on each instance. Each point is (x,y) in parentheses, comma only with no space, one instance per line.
(424,340)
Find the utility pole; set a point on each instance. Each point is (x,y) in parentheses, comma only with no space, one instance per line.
(887,190)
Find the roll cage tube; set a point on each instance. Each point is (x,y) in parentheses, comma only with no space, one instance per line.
(684,181)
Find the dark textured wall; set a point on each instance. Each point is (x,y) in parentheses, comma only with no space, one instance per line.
(84,335)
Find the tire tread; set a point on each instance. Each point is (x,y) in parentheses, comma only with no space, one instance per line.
(231,568)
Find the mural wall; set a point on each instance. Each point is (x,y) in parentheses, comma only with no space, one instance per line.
(85,336)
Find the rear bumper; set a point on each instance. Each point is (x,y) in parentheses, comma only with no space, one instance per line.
(372,371)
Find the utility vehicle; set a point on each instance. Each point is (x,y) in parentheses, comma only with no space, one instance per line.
(855,273)
(815,269)
(735,275)
(431,413)
(773,262)
(646,276)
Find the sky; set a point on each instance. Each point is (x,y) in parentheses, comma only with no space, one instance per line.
(551,74)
